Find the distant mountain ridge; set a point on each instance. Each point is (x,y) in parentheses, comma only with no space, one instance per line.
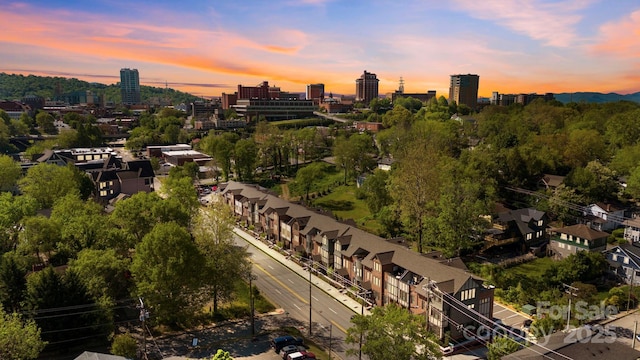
(15,87)
(596,97)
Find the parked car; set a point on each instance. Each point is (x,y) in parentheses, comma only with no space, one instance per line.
(281,341)
(291,349)
(301,355)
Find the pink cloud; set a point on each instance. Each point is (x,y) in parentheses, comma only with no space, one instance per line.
(620,38)
(549,22)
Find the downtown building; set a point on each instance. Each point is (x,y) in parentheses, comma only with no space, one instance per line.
(464,90)
(382,270)
(366,88)
(130,86)
(315,92)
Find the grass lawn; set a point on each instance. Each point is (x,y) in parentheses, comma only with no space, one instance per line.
(532,269)
(343,203)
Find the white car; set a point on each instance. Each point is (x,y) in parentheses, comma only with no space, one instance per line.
(289,349)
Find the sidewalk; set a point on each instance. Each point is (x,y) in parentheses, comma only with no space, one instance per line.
(347,301)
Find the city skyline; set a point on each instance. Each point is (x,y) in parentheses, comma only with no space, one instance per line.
(209,48)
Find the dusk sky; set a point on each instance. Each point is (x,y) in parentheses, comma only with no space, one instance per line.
(209,47)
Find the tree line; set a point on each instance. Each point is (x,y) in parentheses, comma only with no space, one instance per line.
(69,277)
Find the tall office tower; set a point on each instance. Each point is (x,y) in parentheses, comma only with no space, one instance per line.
(130,86)
(367,87)
(315,92)
(464,90)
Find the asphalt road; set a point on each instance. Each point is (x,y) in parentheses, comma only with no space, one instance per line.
(289,291)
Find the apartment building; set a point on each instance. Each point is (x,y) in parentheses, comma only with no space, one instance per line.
(464,90)
(386,269)
(366,87)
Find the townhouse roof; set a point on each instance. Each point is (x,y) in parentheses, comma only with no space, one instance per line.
(448,275)
(582,231)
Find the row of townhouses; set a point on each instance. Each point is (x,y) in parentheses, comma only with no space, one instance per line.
(387,269)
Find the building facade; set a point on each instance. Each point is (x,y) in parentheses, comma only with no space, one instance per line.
(383,270)
(464,90)
(315,92)
(571,239)
(274,109)
(130,86)
(366,87)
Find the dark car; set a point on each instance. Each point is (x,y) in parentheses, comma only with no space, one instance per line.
(278,343)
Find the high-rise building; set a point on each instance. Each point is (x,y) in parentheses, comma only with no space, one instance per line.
(130,86)
(464,90)
(315,92)
(367,87)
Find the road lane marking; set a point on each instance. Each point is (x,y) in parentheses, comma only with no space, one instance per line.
(291,281)
(339,327)
(315,298)
(278,291)
(281,283)
(296,305)
(333,311)
(270,267)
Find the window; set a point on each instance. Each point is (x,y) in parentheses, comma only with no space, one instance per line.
(539,222)
(626,260)
(468,294)
(529,236)
(103,192)
(614,257)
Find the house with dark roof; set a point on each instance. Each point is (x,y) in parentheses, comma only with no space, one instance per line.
(624,261)
(526,227)
(121,177)
(385,270)
(571,239)
(604,216)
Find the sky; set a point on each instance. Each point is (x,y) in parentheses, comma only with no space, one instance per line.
(207,47)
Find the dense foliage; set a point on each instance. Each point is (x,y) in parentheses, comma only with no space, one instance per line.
(14,87)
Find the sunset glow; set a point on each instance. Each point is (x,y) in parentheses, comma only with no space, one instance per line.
(207,48)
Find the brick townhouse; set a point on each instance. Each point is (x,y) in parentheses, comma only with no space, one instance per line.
(389,270)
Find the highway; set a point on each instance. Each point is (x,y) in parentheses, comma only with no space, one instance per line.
(290,291)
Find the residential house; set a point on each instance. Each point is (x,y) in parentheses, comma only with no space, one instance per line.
(385,163)
(550,182)
(526,227)
(571,239)
(604,216)
(624,261)
(632,229)
(118,177)
(385,271)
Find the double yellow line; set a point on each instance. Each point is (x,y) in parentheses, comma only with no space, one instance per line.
(293,292)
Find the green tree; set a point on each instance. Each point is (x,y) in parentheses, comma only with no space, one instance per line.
(102,272)
(245,154)
(124,345)
(584,146)
(13,282)
(391,332)
(45,123)
(82,223)
(167,270)
(225,263)
(306,176)
(375,189)
(182,192)
(399,116)
(501,346)
(40,234)
(61,297)
(221,355)
(415,188)
(19,339)
(47,182)
(10,172)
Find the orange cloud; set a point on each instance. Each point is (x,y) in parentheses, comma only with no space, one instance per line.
(620,38)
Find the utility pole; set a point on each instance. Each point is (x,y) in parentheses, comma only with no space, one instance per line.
(310,266)
(572,291)
(144,314)
(253,320)
(361,330)
(330,329)
(635,332)
(633,273)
